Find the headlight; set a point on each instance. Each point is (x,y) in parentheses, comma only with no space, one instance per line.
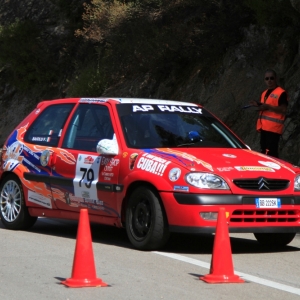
(207,181)
(297,183)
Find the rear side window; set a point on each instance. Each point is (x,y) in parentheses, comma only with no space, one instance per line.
(46,129)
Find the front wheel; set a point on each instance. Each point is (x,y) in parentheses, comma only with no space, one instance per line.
(275,239)
(146,223)
(13,211)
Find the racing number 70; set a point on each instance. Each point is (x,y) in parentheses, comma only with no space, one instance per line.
(89,176)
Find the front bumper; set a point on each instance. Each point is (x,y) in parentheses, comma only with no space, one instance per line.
(197,199)
(183,213)
(212,229)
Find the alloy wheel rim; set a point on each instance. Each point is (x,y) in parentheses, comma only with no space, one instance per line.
(10,201)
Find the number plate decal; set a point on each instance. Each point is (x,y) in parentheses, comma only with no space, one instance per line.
(268,202)
(86,177)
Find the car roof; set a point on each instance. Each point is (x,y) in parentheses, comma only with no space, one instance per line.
(152,101)
(118,100)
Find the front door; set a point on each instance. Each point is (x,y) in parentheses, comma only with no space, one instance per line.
(83,178)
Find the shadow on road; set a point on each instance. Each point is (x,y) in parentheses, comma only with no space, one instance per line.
(178,243)
(203,244)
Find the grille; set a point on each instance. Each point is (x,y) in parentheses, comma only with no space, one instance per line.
(265,216)
(262,184)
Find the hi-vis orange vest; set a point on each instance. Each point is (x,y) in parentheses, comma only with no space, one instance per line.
(267,120)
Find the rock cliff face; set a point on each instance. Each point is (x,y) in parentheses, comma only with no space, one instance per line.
(236,81)
(239,80)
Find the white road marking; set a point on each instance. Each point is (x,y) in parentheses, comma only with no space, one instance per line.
(245,276)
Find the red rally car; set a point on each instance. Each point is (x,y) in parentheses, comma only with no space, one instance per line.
(151,166)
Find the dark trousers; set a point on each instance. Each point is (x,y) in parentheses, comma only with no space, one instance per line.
(269,142)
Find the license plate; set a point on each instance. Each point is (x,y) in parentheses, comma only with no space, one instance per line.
(268,202)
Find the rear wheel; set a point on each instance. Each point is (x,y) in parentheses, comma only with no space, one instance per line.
(13,211)
(146,223)
(275,239)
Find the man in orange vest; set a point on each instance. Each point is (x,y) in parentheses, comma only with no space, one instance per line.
(272,109)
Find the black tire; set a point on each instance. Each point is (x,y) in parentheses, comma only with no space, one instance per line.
(146,223)
(275,239)
(13,211)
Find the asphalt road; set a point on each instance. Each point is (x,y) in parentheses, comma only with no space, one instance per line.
(33,264)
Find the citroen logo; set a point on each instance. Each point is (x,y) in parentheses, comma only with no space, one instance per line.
(262,184)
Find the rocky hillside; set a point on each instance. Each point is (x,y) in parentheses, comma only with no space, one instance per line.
(209,52)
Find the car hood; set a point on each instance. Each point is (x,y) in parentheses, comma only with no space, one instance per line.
(239,163)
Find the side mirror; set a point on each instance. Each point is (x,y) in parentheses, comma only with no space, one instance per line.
(108,147)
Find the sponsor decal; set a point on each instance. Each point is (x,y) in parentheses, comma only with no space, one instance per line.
(14,151)
(270,164)
(229,155)
(10,165)
(109,165)
(113,162)
(225,169)
(85,194)
(92,204)
(181,188)
(85,202)
(92,100)
(49,133)
(153,164)
(74,199)
(255,168)
(184,155)
(93,201)
(132,159)
(185,109)
(29,163)
(174,174)
(44,159)
(108,168)
(43,138)
(169,108)
(264,156)
(39,199)
(107,176)
(86,177)
(12,157)
(29,151)
(88,160)
(39,139)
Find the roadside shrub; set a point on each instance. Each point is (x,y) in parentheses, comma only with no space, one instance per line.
(24,55)
(90,82)
(161,36)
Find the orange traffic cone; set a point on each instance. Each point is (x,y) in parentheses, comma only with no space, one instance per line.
(84,271)
(221,267)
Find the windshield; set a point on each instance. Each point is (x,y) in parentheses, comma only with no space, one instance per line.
(155,127)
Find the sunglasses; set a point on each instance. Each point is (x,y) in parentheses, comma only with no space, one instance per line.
(269,78)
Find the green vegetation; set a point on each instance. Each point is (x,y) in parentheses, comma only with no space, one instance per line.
(89,82)
(162,36)
(25,56)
